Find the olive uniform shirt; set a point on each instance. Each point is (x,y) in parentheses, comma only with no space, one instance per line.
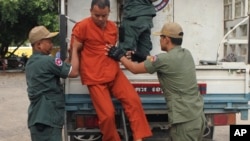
(177,76)
(45,93)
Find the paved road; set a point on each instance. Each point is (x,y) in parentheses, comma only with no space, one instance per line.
(13,107)
(14,104)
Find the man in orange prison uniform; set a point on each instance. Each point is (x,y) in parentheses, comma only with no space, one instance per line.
(103,75)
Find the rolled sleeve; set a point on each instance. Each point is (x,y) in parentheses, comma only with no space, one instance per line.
(149,66)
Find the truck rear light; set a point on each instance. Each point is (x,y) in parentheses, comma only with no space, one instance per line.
(202,88)
(224,119)
(86,121)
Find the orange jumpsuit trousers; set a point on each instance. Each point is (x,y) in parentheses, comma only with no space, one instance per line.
(122,90)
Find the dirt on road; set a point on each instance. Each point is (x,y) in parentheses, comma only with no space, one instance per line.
(14,104)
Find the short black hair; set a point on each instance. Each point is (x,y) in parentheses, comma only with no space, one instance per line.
(100,3)
(176,41)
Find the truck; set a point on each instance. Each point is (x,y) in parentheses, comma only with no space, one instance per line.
(217,34)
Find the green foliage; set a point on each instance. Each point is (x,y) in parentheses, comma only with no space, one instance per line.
(17,17)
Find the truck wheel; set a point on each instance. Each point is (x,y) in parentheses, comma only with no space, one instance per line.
(87,137)
(208,134)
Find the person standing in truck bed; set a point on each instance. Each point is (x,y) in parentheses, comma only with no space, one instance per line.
(135,29)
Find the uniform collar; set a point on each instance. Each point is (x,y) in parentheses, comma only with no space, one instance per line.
(175,48)
(37,53)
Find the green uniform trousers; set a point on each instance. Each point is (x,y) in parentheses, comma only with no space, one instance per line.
(46,133)
(136,35)
(188,131)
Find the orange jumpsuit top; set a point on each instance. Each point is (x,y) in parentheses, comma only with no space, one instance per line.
(95,66)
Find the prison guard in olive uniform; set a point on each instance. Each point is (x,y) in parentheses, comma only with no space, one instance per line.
(136,24)
(177,76)
(46,109)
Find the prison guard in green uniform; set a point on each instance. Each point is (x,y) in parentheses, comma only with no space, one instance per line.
(136,24)
(177,76)
(46,109)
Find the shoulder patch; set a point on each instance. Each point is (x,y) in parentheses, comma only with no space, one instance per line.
(58,62)
(153,58)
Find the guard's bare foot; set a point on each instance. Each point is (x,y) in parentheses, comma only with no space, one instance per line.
(138,140)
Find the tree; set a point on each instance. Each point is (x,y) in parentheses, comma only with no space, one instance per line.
(17,17)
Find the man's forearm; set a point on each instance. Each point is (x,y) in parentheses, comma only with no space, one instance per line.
(74,60)
(134,67)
